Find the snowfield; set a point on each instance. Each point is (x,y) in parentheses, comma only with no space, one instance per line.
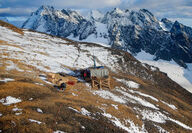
(10,100)
(50,54)
(177,73)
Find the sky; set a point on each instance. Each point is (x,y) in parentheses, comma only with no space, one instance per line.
(173,9)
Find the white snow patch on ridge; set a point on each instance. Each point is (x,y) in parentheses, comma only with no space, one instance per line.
(13,66)
(38,122)
(138,100)
(161,130)
(85,112)
(145,95)
(16,109)
(170,105)
(108,95)
(74,109)
(9,100)
(6,80)
(39,110)
(118,123)
(130,84)
(154,116)
(58,131)
(180,123)
(159,117)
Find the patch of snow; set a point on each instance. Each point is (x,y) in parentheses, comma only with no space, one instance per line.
(138,100)
(58,131)
(180,124)
(74,94)
(6,80)
(45,80)
(159,117)
(161,130)
(153,68)
(85,112)
(30,99)
(163,26)
(154,116)
(83,127)
(39,84)
(108,95)
(117,122)
(74,109)
(115,106)
(170,105)
(9,100)
(39,110)
(130,84)
(38,122)
(13,66)
(145,95)
(18,113)
(16,109)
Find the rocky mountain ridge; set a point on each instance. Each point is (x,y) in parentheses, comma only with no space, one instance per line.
(60,23)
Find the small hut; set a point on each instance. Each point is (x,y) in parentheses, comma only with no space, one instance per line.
(100,77)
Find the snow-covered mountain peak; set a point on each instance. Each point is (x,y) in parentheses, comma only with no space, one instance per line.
(60,23)
(125,17)
(117,11)
(167,24)
(44,10)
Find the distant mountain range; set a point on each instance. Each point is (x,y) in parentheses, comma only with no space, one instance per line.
(16,21)
(133,31)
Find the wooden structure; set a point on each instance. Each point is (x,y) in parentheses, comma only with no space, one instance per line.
(100,77)
(100,82)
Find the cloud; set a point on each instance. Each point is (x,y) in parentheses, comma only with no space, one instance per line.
(87,3)
(162,8)
(20,5)
(3,10)
(61,3)
(15,11)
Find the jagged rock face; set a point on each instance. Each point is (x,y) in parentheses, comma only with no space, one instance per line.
(136,31)
(168,24)
(182,35)
(60,23)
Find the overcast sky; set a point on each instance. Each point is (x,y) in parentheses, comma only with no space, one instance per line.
(161,8)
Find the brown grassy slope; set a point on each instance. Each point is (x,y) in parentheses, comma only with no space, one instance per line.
(12,27)
(55,108)
(54,105)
